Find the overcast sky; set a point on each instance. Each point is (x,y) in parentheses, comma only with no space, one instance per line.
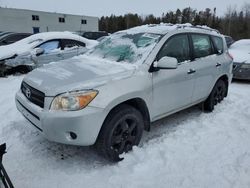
(108,7)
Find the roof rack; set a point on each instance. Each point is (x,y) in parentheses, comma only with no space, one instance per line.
(198,27)
(165,24)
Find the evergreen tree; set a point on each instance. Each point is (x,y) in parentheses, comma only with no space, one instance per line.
(236,24)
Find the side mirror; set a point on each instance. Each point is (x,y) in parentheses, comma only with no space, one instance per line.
(39,51)
(166,63)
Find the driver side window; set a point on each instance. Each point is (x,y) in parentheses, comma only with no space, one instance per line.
(177,47)
(50,46)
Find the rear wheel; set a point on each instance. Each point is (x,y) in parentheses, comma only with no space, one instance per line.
(23,69)
(218,93)
(121,131)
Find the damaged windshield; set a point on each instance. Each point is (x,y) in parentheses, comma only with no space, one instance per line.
(123,47)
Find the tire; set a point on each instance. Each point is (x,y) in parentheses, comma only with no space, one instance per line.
(218,93)
(121,131)
(2,73)
(23,69)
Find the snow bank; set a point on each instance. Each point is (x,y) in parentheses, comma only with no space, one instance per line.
(188,149)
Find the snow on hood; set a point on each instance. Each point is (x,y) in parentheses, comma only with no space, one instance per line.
(240,51)
(81,72)
(25,45)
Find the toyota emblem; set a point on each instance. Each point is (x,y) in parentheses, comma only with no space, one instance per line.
(28,93)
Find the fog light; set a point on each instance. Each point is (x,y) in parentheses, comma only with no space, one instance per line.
(71,135)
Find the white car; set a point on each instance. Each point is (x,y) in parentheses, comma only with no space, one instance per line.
(240,51)
(40,49)
(108,96)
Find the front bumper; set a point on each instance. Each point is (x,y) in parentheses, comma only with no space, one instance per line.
(58,126)
(240,73)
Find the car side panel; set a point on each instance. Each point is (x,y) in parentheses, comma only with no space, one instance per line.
(205,76)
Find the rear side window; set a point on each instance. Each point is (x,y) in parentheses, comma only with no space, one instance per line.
(67,43)
(14,38)
(177,47)
(202,45)
(218,44)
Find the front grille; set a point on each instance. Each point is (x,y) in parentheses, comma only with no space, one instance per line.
(33,95)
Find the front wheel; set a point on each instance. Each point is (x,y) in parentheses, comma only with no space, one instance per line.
(218,93)
(121,131)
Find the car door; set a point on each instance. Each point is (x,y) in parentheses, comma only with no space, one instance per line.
(173,88)
(71,48)
(52,52)
(204,64)
(221,54)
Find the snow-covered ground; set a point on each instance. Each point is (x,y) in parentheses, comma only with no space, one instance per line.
(188,149)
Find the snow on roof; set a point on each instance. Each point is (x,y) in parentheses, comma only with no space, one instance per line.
(164,28)
(55,35)
(240,51)
(241,43)
(26,44)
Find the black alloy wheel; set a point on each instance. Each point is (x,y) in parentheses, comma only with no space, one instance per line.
(218,93)
(121,131)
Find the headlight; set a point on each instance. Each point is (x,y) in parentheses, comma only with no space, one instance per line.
(73,101)
(245,66)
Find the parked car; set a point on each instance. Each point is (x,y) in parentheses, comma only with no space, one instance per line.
(93,35)
(40,49)
(4,33)
(108,96)
(240,51)
(229,40)
(9,38)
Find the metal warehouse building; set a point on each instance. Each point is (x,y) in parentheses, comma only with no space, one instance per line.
(29,21)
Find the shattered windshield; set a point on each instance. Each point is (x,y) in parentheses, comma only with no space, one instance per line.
(123,47)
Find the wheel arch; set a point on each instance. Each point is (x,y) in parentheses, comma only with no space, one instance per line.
(140,105)
(225,79)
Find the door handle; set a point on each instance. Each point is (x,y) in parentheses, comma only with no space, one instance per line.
(218,64)
(191,71)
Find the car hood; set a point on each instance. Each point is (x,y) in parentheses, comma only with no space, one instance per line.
(240,56)
(78,73)
(12,50)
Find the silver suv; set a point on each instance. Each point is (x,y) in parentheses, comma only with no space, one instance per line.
(109,96)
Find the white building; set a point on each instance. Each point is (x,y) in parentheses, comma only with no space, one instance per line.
(29,21)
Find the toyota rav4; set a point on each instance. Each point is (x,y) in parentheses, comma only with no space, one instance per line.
(108,96)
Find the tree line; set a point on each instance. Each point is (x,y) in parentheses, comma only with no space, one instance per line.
(234,23)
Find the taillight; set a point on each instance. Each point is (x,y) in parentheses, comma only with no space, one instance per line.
(230,55)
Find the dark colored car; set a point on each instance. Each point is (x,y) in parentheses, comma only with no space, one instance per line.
(9,37)
(229,40)
(4,33)
(93,35)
